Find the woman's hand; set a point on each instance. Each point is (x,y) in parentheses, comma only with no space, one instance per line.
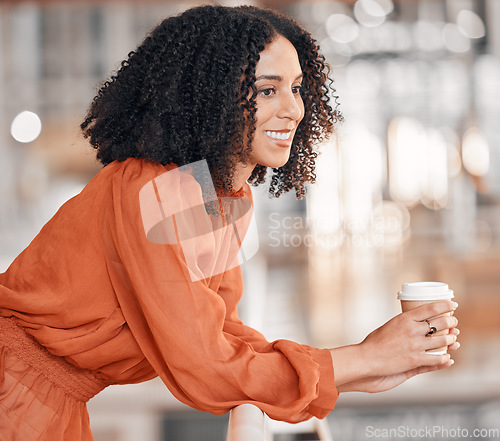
(384,383)
(396,351)
(400,344)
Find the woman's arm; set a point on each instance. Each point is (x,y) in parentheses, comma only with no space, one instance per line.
(202,352)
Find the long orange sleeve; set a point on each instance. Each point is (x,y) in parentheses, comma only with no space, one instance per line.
(200,349)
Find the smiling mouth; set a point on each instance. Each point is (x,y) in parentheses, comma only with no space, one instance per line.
(280,136)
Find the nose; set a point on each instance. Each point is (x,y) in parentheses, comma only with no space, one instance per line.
(290,106)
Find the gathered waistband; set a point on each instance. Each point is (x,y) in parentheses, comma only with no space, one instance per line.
(82,384)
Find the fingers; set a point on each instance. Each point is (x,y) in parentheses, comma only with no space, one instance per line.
(438,364)
(440,323)
(443,322)
(424,369)
(435,361)
(448,361)
(439,341)
(442,362)
(434,309)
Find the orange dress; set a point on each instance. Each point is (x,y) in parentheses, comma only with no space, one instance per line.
(102,304)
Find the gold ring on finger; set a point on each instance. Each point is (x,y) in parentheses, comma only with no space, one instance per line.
(432,329)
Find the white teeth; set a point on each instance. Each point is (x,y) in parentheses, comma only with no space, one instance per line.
(278,135)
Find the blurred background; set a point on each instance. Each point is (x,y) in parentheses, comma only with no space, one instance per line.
(408,190)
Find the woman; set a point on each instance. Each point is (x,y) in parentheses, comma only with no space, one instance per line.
(136,276)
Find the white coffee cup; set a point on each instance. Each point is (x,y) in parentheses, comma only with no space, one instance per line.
(415,294)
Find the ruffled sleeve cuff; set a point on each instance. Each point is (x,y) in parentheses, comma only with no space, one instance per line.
(321,406)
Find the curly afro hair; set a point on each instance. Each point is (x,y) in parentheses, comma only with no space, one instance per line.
(188,91)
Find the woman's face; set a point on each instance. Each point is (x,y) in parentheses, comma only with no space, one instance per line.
(279,104)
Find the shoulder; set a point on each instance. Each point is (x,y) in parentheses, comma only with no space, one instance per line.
(133,171)
(138,181)
(128,177)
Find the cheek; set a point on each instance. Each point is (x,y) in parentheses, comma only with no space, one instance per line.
(265,111)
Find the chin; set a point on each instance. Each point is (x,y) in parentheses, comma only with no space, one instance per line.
(276,162)
(273,164)
(281,164)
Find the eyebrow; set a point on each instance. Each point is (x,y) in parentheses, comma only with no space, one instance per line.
(276,77)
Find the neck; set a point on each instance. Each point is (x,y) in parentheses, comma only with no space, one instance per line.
(241,174)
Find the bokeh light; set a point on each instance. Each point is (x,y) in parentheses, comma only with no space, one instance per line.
(475,153)
(377,8)
(341,28)
(26,127)
(365,17)
(470,24)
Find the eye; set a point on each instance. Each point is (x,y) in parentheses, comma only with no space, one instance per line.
(296,89)
(267,92)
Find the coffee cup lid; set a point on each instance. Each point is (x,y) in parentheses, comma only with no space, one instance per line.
(425,291)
